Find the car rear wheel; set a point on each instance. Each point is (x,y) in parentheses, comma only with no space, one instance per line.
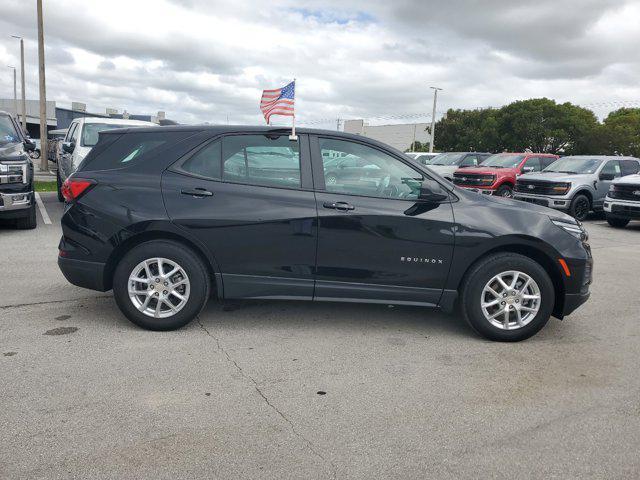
(59,186)
(505,191)
(617,222)
(507,297)
(580,207)
(161,285)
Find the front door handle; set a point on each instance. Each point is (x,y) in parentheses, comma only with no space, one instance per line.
(197,192)
(338,206)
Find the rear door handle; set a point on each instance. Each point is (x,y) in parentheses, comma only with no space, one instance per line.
(197,192)
(338,206)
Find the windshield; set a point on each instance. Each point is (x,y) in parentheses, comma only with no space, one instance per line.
(502,160)
(8,132)
(574,165)
(447,159)
(91,130)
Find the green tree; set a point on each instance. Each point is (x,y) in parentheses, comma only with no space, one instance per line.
(542,125)
(620,132)
(539,124)
(468,130)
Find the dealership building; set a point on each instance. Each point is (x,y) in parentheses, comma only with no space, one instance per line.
(399,136)
(59,118)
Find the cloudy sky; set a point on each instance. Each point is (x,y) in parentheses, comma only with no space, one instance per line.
(206,60)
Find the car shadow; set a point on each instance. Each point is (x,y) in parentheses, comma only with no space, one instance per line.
(350,317)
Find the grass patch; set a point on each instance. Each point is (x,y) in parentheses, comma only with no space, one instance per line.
(45,186)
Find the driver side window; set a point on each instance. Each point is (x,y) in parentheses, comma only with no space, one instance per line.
(374,174)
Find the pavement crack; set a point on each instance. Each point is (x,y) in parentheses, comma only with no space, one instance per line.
(266,400)
(51,302)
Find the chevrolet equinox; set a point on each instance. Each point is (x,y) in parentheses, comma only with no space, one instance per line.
(168,216)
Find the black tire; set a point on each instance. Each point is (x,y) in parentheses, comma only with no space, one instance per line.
(580,207)
(59,185)
(504,191)
(617,222)
(29,221)
(196,271)
(482,272)
(35,154)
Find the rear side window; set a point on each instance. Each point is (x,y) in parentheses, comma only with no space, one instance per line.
(261,160)
(130,148)
(629,167)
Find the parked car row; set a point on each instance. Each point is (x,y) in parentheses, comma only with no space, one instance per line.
(577,185)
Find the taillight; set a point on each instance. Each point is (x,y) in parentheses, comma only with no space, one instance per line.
(73,188)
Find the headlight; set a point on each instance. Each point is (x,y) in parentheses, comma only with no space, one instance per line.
(562,188)
(574,229)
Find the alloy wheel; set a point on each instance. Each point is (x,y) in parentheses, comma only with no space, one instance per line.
(510,300)
(159,287)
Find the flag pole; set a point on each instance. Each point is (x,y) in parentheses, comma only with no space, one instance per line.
(293,137)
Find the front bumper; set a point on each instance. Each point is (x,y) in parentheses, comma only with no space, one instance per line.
(573,300)
(622,208)
(83,273)
(551,201)
(485,191)
(15,201)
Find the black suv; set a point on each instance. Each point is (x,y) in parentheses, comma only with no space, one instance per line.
(166,216)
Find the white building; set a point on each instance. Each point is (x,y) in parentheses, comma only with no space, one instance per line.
(399,136)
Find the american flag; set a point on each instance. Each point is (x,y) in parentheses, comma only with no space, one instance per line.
(279,101)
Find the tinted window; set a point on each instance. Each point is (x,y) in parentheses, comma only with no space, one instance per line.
(130,148)
(612,166)
(469,161)
(206,162)
(261,160)
(629,167)
(533,163)
(376,174)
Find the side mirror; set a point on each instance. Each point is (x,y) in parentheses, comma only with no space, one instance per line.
(29,145)
(68,147)
(431,191)
(607,176)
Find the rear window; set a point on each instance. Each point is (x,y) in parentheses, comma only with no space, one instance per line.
(118,151)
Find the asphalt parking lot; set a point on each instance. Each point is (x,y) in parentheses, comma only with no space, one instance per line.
(300,390)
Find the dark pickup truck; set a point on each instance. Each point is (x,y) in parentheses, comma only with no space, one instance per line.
(16,174)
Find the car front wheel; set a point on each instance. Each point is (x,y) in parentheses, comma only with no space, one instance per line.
(580,207)
(507,297)
(161,285)
(505,191)
(617,222)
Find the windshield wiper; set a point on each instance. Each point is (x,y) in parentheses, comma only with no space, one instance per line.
(564,171)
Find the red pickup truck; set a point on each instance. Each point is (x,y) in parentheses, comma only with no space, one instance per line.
(497,174)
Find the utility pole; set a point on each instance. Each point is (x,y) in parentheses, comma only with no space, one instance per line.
(44,161)
(15,91)
(433,118)
(24,101)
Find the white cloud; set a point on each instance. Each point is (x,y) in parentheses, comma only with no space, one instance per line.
(205,60)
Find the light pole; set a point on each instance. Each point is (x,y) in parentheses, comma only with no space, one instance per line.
(15,91)
(44,162)
(433,118)
(24,101)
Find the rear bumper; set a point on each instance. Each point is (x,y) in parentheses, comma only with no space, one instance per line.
(83,273)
